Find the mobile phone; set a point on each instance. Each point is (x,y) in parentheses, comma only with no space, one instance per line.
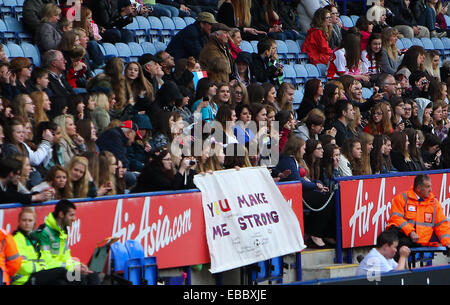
(206,99)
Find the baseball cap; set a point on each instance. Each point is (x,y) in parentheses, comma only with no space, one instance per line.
(206,17)
(146,58)
(131,125)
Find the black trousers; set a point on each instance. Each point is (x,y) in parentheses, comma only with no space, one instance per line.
(56,276)
(321,223)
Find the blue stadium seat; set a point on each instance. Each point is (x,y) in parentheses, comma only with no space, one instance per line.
(289,74)
(150,270)
(143,30)
(156,28)
(32,52)
(15,50)
(438,45)
(416,41)
(5,48)
(407,43)
(134,248)
(15,26)
(246,46)
(3,30)
(136,51)
(282,51)
(447,20)
(102,49)
(159,46)
(168,30)
(400,45)
(427,43)
(189,20)
(133,271)
(323,69)
(446,42)
(354,18)
(119,257)
(312,71)
(123,51)
(254,44)
(133,27)
(148,47)
(298,97)
(293,49)
(110,50)
(301,75)
(366,92)
(7,7)
(179,23)
(346,21)
(19,8)
(147,266)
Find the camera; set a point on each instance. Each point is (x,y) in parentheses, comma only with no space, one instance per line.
(425,81)
(190,162)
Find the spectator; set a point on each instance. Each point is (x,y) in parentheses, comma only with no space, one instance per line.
(160,175)
(114,75)
(120,178)
(313,93)
(350,161)
(398,107)
(380,160)
(32,14)
(206,90)
(337,28)
(425,14)
(39,80)
(316,42)
(328,101)
(117,139)
(191,40)
(306,10)
(21,67)
(106,172)
(419,85)
(138,92)
(53,238)
(33,271)
(387,86)
(87,131)
(441,23)
(54,62)
(380,259)
(319,224)
(151,66)
(114,15)
(414,59)
(400,156)
(22,183)
(431,151)
(330,165)
(366,141)
(431,64)
(100,114)
(75,107)
(345,113)
(139,151)
(42,105)
(313,157)
(226,116)
(56,178)
(242,132)
(72,143)
(48,33)
(242,67)
(239,94)
(287,124)
(10,171)
(213,157)
(80,180)
(379,122)
(404,21)
(391,56)
(371,56)
(167,64)
(223,94)
(262,67)
(312,126)
(377,15)
(215,56)
(440,129)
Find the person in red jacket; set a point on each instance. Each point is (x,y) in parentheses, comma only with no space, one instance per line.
(417,214)
(316,42)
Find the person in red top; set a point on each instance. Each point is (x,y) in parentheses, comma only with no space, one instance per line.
(78,68)
(316,42)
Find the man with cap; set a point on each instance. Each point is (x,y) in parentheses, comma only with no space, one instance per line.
(151,65)
(191,40)
(116,140)
(215,57)
(113,15)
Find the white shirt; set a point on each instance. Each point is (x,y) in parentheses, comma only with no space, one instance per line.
(374,264)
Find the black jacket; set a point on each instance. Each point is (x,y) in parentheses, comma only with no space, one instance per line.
(60,92)
(106,14)
(115,141)
(342,132)
(401,15)
(152,179)
(188,42)
(13,196)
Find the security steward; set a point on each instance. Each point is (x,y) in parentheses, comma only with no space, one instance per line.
(416,214)
(10,259)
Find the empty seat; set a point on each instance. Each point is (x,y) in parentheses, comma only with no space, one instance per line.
(416,41)
(293,49)
(407,43)
(110,50)
(254,44)
(366,92)
(312,71)
(447,20)
(15,26)
(143,29)
(7,7)
(156,28)
(400,44)
(438,45)
(123,51)
(14,50)
(289,74)
(148,47)
(32,52)
(427,43)
(354,18)
(179,23)
(159,46)
(168,27)
(246,46)
(301,74)
(6,50)
(136,51)
(189,20)
(346,21)
(282,51)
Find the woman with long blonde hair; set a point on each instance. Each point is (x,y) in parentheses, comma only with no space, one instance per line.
(80,179)
(366,140)
(107,171)
(432,59)
(42,104)
(114,70)
(72,143)
(391,57)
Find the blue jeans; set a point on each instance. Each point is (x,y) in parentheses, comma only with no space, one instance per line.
(118,35)
(95,54)
(428,18)
(169,11)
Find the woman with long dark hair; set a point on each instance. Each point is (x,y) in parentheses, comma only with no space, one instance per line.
(380,160)
(313,93)
(371,56)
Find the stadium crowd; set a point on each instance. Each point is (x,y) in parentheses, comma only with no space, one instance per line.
(67,132)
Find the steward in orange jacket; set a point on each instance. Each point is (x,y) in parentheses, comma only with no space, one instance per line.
(10,260)
(418,213)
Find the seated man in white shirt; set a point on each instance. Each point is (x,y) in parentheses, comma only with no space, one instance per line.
(381,258)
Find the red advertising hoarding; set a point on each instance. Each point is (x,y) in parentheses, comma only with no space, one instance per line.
(366,205)
(170,226)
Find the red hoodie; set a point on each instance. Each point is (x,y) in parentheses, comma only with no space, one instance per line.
(316,46)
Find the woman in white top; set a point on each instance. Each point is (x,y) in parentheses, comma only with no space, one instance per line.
(371,57)
(350,161)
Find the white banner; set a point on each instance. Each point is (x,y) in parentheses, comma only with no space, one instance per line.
(247,218)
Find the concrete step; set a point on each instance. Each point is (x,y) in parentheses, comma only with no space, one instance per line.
(313,257)
(328,271)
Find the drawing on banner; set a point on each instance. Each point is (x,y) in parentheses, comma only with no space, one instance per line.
(247,218)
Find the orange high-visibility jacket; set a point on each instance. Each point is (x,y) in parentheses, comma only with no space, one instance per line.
(10,259)
(424,217)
